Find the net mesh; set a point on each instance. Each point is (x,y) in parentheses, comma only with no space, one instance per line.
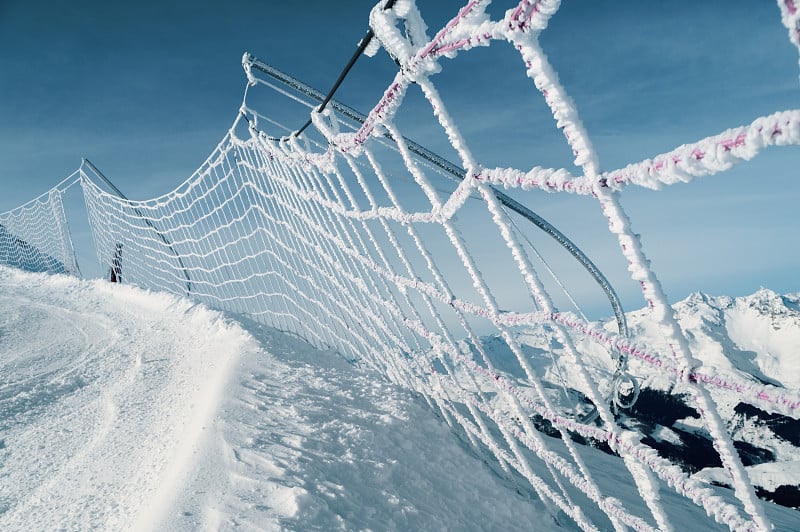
(347,237)
(36,237)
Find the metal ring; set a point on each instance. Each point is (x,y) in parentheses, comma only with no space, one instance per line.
(618,399)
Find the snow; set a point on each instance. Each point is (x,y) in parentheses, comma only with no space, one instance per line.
(768,324)
(106,394)
(123,409)
(755,337)
(770,475)
(131,410)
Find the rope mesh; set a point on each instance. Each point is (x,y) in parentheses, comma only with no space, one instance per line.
(350,241)
(36,237)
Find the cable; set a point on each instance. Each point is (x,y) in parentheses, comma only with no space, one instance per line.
(360,50)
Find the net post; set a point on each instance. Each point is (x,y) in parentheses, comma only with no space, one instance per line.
(116,265)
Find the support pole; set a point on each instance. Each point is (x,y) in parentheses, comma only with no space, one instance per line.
(116,265)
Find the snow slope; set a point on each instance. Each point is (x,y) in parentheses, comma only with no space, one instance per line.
(105,395)
(122,409)
(127,410)
(756,337)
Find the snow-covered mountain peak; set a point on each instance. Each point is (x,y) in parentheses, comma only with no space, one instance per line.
(764,301)
(699,308)
(699,298)
(768,303)
(757,336)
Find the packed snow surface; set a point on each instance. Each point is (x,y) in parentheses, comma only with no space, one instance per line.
(122,409)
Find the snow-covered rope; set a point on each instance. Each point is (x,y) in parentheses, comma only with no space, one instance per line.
(706,157)
(790,16)
(568,121)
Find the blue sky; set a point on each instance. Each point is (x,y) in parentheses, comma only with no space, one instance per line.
(146,89)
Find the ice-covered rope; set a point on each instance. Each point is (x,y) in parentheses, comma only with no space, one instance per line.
(389,33)
(546,81)
(706,157)
(566,115)
(790,16)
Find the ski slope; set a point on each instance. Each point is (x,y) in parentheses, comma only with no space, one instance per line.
(122,409)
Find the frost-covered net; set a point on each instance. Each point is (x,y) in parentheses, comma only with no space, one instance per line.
(344,237)
(35,236)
